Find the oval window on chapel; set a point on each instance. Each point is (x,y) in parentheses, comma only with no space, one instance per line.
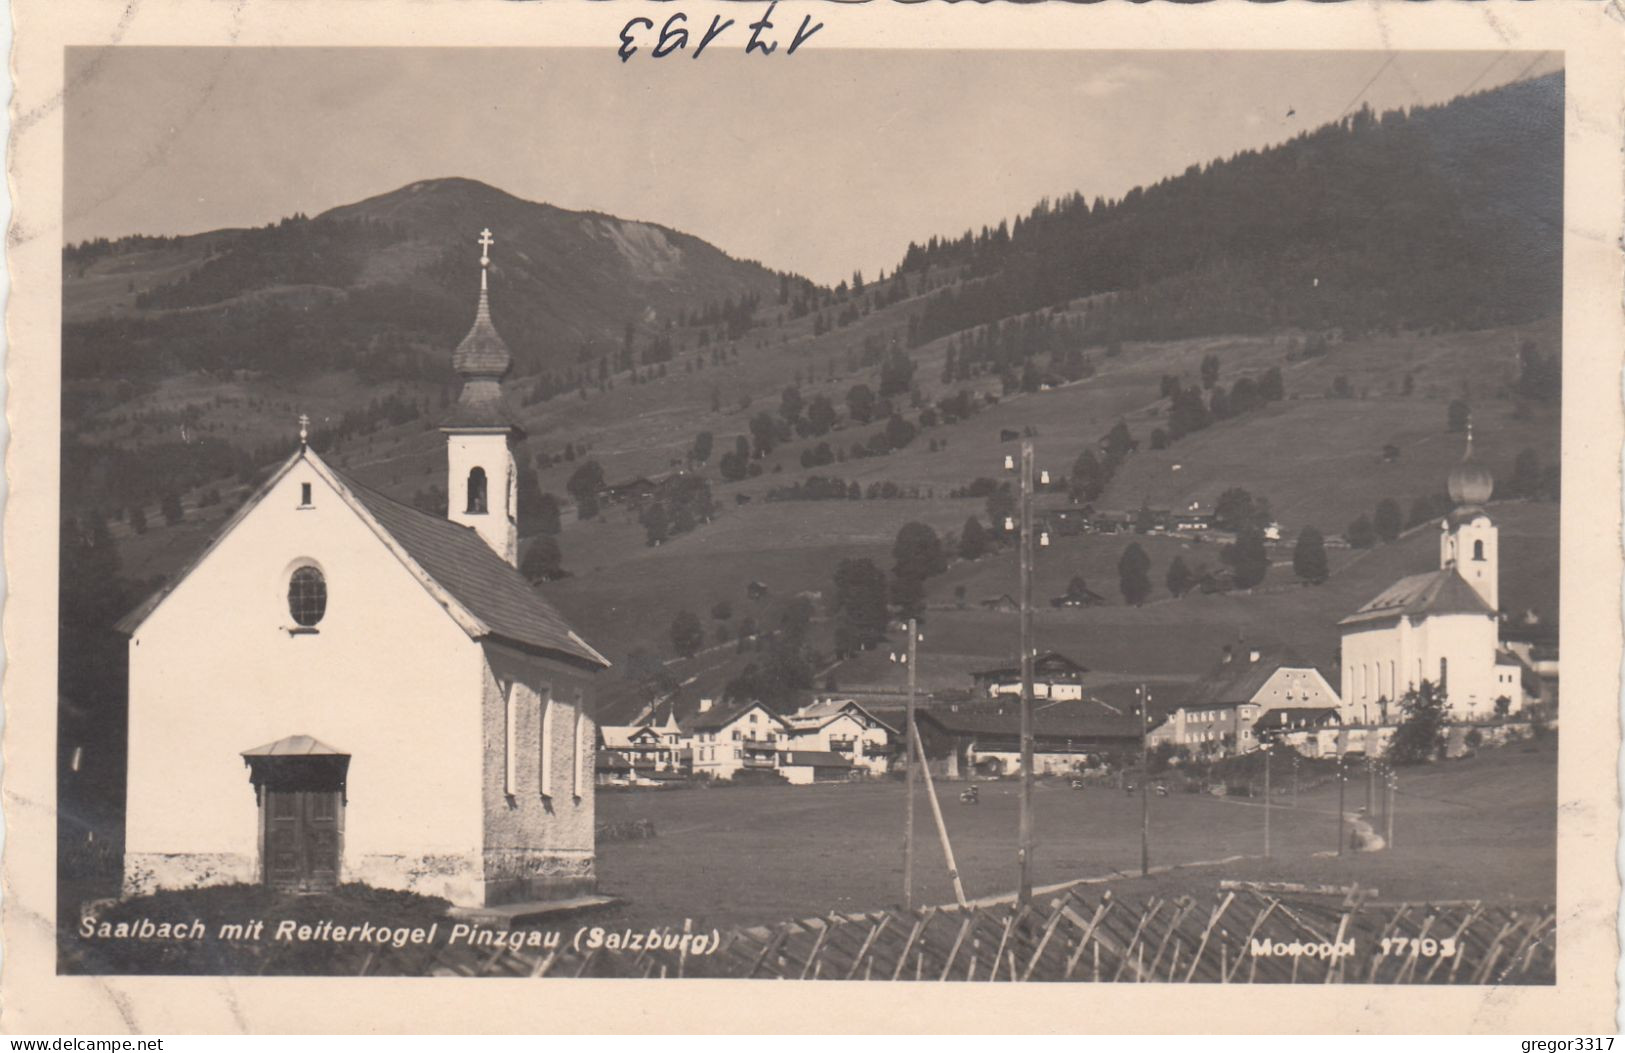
(307,596)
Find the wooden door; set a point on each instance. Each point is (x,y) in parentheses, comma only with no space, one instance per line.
(302,839)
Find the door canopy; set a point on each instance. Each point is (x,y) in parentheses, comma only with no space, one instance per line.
(297,762)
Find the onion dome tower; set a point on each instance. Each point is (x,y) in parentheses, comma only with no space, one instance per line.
(482,485)
(1469,540)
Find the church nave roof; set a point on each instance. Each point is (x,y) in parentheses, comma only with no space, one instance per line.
(1436,592)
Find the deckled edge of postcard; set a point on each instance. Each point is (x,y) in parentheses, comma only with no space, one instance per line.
(36,1000)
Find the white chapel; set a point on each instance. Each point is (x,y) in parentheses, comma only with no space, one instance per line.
(345,688)
(1442,626)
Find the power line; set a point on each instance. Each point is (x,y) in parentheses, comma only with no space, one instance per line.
(1361,93)
(1526,69)
(1484,72)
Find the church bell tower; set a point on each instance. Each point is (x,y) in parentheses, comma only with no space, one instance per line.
(1469,540)
(482,485)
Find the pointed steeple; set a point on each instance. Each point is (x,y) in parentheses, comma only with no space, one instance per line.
(483,360)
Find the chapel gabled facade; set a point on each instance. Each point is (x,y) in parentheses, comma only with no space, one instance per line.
(345,688)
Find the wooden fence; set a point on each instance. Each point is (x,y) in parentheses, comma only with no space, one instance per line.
(1238,937)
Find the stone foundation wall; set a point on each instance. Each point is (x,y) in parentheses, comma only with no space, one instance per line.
(454,876)
(514,875)
(147,872)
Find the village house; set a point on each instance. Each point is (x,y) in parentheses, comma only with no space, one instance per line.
(343,688)
(1068,737)
(1221,714)
(1441,626)
(729,737)
(1055,676)
(844,728)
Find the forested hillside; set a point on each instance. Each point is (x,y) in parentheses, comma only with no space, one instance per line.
(1447,217)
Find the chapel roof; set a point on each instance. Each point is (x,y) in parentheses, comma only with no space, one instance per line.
(1437,592)
(485,584)
(451,559)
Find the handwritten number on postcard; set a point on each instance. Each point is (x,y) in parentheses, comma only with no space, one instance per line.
(673,36)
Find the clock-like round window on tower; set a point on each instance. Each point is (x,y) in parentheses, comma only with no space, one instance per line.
(307,596)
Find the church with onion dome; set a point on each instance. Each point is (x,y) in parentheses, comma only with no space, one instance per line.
(1442,626)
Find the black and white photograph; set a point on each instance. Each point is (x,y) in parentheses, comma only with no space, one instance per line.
(923,515)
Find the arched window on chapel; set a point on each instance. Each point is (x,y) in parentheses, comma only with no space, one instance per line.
(476,491)
(1478,551)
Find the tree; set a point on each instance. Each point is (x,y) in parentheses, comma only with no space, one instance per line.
(1271,388)
(656,523)
(1001,505)
(538,512)
(917,555)
(860,403)
(1457,416)
(722,610)
(1420,737)
(170,506)
(1389,520)
(1248,559)
(543,560)
(820,415)
(790,404)
(764,433)
(587,481)
(1525,481)
(687,634)
(972,540)
(1237,509)
(1134,574)
(1210,370)
(1179,579)
(1360,533)
(735,465)
(1309,556)
(1089,478)
(859,606)
(701,453)
(896,374)
(899,431)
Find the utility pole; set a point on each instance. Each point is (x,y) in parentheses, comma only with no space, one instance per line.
(1145,790)
(1267,752)
(915,755)
(1393,799)
(1342,785)
(1025,890)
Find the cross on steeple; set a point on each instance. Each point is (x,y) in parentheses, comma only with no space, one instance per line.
(486,242)
(304,429)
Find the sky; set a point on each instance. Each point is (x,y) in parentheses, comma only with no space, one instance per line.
(822,164)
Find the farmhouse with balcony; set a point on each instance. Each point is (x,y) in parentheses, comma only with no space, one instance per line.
(729,737)
(962,740)
(1055,677)
(844,728)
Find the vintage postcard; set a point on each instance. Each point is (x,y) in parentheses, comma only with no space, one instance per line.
(643,500)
